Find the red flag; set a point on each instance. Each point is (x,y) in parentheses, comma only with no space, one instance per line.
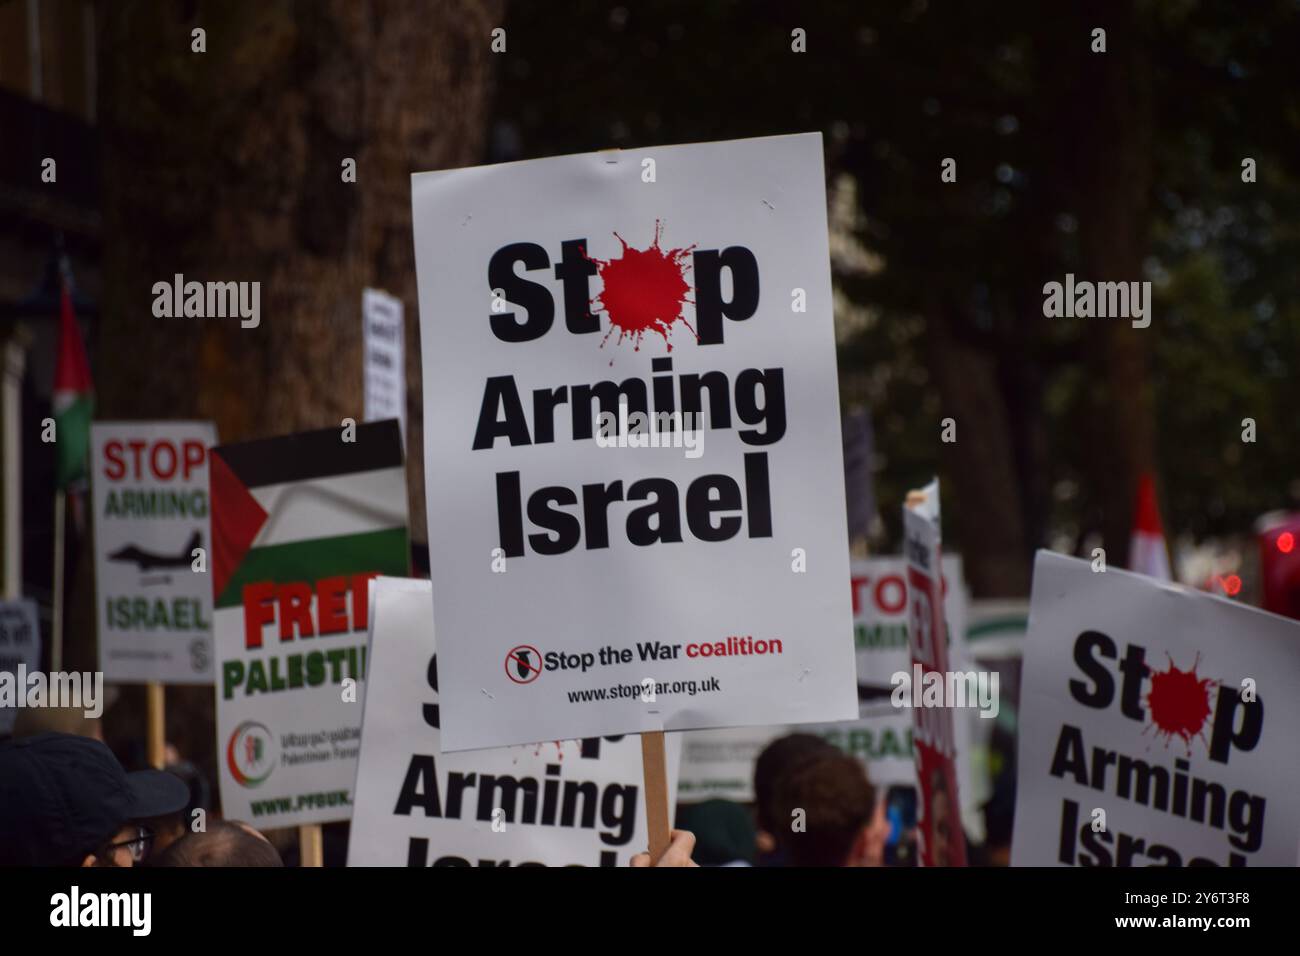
(1147,551)
(74,400)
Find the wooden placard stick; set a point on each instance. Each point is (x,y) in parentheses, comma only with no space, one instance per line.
(655,769)
(155,724)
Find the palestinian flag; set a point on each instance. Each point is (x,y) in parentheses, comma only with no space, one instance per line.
(308,506)
(1147,553)
(74,401)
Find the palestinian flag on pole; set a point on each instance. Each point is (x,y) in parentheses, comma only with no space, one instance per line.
(1147,553)
(300,525)
(74,401)
(308,506)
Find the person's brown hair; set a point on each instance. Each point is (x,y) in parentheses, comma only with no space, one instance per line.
(837,801)
(776,763)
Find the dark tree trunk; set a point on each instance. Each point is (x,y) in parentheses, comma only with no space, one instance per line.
(1111,185)
(226,166)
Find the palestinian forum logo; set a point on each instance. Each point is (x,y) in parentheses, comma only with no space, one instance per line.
(248,754)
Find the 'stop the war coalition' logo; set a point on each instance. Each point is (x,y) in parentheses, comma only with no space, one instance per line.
(523,664)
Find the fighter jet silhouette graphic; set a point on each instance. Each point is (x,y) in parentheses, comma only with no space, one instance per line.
(148,560)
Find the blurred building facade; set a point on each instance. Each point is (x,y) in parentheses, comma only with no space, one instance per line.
(48,103)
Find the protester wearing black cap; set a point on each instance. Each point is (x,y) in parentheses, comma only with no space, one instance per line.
(66,801)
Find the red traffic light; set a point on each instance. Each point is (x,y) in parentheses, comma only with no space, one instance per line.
(1280,567)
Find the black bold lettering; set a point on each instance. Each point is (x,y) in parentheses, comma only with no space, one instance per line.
(1134,668)
(566,528)
(510,519)
(431,675)
(607,394)
(758,495)
(576,270)
(709,307)
(420,788)
(535,298)
(595,511)
(701,503)
(1226,734)
(1102,690)
(1069,756)
(665,509)
(499,391)
(772,411)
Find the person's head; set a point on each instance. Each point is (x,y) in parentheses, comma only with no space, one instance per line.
(170,828)
(166,830)
(66,801)
(830,815)
(777,761)
(31,721)
(223,843)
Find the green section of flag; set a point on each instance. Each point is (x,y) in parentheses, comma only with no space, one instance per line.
(383,552)
(72,440)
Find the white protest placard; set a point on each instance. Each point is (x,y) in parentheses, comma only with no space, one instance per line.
(20,644)
(383,357)
(563,803)
(880,739)
(153,546)
(1157,725)
(302,523)
(880,614)
(995,628)
(600,567)
(719,764)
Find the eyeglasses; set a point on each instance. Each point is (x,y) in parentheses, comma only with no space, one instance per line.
(138,845)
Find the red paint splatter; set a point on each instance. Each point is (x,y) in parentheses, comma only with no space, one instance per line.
(645,290)
(1179,702)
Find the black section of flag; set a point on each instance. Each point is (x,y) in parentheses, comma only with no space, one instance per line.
(314,454)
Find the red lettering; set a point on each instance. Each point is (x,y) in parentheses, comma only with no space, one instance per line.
(295,607)
(900,590)
(258,611)
(331,605)
(137,445)
(361,600)
(115,470)
(295,611)
(158,471)
(194,453)
(858,585)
